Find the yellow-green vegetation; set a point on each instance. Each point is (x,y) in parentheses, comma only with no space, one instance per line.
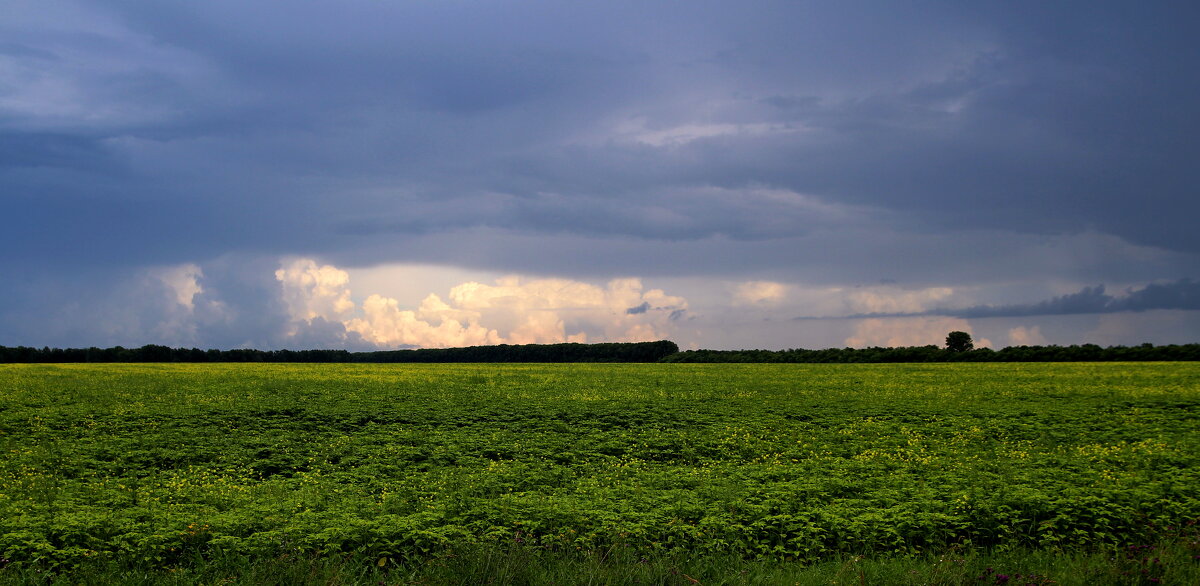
(173,464)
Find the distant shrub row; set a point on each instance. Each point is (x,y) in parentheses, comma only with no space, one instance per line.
(661,351)
(612,352)
(1083,353)
(155,353)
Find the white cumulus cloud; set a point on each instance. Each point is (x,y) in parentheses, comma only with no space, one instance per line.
(183,281)
(385,324)
(512,310)
(311,291)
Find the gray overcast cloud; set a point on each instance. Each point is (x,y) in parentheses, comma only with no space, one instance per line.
(222,173)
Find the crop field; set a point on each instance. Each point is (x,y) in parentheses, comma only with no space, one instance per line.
(165,464)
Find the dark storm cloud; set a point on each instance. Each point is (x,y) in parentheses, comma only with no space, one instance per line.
(1088,300)
(1182,294)
(51,150)
(825,143)
(236,304)
(252,118)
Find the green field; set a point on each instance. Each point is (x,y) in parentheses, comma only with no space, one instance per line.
(167,465)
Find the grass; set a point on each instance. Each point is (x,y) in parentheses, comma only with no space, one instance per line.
(1169,562)
(528,473)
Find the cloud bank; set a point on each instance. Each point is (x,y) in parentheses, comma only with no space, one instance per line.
(511,311)
(1181,294)
(888,302)
(301,303)
(174,133)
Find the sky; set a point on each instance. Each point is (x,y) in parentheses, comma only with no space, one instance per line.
(371,174)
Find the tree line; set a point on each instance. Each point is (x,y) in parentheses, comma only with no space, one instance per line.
(571,352)
(607,352)
(1073,353)
(156,353)
(660,351)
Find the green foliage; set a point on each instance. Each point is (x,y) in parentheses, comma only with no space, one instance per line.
(957,341)
(1073,353)
(166,464)
(604,352)
(1172,561)
(571,352)
(661,351)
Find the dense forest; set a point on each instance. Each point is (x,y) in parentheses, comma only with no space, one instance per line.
(660,351)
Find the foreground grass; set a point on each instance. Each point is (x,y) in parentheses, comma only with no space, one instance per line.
(1175,561)
(231,469)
